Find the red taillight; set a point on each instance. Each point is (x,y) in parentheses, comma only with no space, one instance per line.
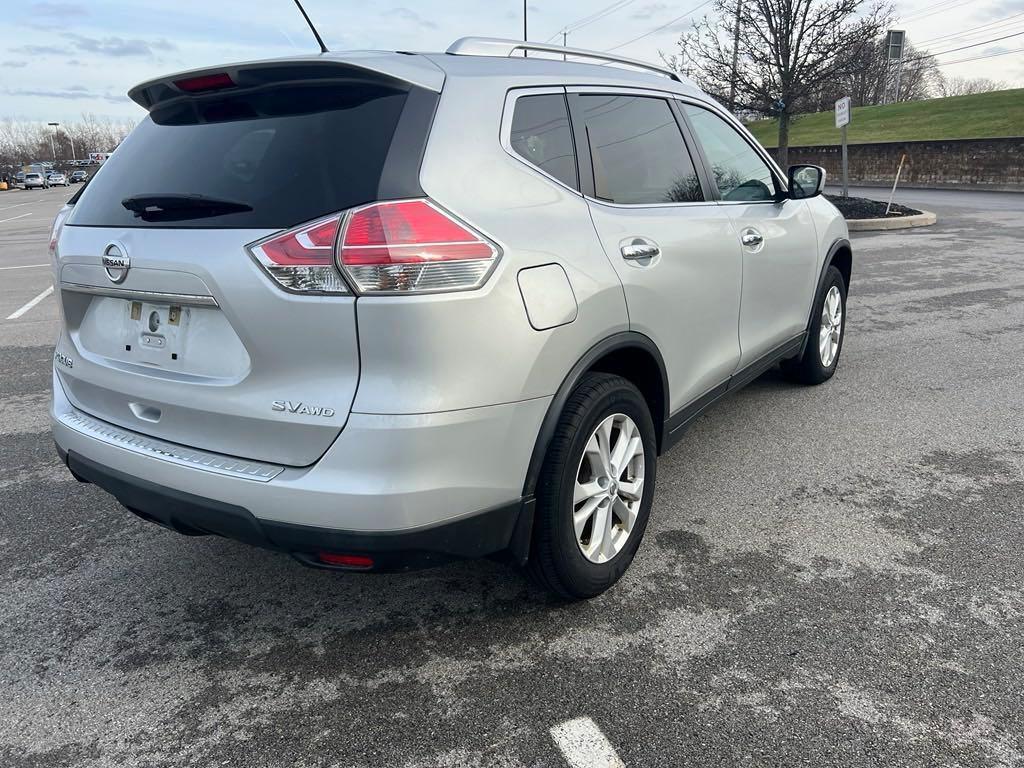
(199,83)
(392,247)
(58,224)
(345,561)
(412,245)
(311,246)
(302,259)
(408,232)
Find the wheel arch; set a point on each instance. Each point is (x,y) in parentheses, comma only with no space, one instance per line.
(629,354)
(839,254)
(614,354)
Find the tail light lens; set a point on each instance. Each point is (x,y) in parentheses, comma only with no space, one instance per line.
(408,246)
(58,225)
(402,246)
(302,259)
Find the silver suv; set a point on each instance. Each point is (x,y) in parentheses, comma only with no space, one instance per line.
(35,181)
(383,310)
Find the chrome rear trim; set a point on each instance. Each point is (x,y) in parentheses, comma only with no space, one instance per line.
(190,299)
(170,452)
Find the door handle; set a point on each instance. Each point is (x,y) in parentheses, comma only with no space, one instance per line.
(640,249)
(751,238)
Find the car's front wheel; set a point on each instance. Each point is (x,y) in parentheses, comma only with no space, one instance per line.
(595,489)
(825,333)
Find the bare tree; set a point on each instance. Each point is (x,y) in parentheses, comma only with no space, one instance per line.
(787,50)
(23,142)
(965,86)
(873,79)
(919,78)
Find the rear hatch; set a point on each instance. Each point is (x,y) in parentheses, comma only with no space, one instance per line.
(172,327)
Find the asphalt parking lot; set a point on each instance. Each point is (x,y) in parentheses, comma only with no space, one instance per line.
(832,576)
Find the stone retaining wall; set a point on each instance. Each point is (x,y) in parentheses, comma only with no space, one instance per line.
(987,164)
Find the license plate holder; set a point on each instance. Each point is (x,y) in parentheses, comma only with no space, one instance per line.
(155,332)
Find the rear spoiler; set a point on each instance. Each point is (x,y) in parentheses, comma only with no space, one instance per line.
(399,69)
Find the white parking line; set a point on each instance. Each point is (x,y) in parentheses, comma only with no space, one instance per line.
(16,217)
(17,205)
(584,746)
(19,312)
(25,266)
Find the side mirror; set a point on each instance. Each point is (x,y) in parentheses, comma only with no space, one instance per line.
(806,181)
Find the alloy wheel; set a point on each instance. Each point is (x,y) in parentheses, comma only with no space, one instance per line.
(609,488)
(831,326)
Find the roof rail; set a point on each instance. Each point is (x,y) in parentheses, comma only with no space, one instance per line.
(496,46)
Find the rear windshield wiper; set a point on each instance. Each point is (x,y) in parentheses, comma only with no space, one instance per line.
(175,207)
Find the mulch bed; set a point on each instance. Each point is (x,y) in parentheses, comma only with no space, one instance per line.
(862,208)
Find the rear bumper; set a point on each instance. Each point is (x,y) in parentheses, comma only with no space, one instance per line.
(416,488)
(475,535)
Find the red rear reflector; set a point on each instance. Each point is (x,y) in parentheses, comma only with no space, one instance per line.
(206,82)
(408,232)
(346,561)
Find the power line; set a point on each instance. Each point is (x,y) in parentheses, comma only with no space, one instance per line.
(979,58)
(969,32)
(945,5)
(929,54)
(572,26)
(975,45)
(658,29)
(963,60)
(607,12)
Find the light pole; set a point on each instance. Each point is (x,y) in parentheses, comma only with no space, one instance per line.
(525,38)
(52,150)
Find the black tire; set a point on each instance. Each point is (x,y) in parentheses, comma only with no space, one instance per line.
(809,368)
(556,560)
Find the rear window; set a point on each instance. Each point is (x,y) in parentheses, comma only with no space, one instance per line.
(284,155)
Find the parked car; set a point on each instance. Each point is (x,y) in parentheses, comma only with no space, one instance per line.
(57,179)
(19,177)
(36,181)
(78,176)
(554,268)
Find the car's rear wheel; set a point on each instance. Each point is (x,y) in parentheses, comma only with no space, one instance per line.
(595,489)
(825,334)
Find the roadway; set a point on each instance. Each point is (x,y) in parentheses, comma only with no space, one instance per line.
(831,576)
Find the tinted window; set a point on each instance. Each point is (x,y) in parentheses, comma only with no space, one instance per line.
(739,171)
(286,155)
(637,151)
(541,134)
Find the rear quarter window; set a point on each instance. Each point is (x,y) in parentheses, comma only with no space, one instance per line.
(290,154)
(541,135)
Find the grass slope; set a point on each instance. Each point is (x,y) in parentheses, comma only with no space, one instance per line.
(982,115)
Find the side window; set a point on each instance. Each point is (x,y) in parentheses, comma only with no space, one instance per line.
(542,136)
(739,171)
(638,151)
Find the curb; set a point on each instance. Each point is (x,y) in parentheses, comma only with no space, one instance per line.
(922,219)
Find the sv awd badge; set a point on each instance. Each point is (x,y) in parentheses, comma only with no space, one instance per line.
(302,409)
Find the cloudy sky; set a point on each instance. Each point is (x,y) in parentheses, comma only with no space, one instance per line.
(63,58)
